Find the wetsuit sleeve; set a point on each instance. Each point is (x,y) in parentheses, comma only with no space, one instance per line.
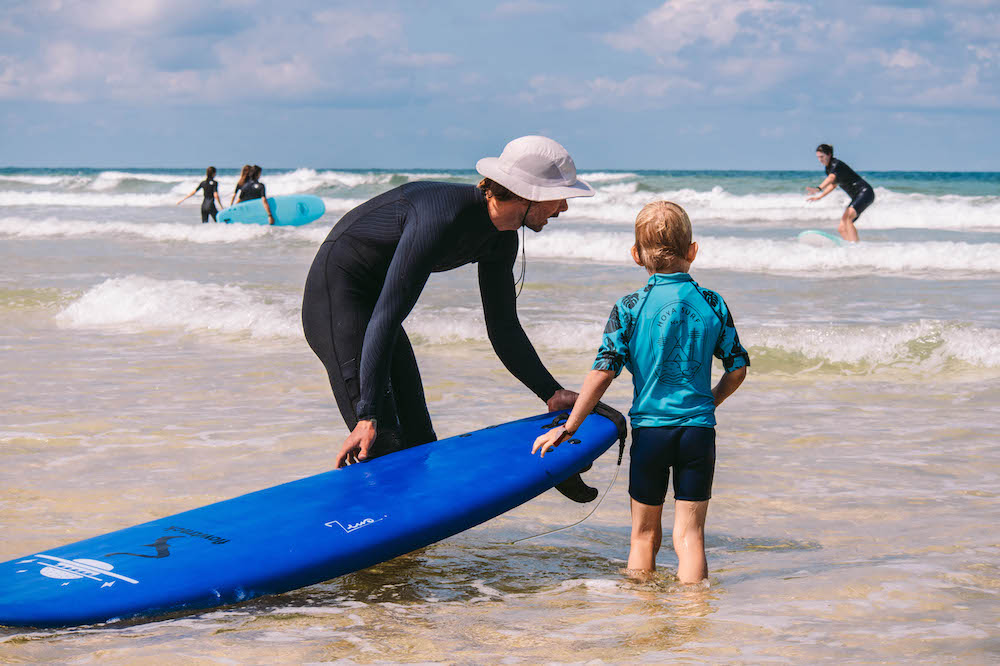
(496,285)
(728,347)
(408,272)
(613,354)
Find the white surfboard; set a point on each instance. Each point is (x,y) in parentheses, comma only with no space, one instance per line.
(818,238)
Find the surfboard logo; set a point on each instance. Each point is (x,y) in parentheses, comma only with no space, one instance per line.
(161,545)
(353,527)
(75,569)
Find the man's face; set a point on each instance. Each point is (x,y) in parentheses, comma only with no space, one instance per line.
(541,211)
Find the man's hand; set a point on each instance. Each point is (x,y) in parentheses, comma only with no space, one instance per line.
(355,448)
(562,399)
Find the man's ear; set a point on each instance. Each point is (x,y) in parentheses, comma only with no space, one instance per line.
(692,252)
(635,255)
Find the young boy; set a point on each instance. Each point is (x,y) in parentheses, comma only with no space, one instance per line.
(666,334)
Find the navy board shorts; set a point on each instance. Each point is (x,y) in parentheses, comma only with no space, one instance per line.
(865,198)
(690,450)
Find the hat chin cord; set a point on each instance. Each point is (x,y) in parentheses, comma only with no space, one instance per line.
(519,283)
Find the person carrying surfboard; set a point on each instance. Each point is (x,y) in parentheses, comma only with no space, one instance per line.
(254,189)
(838,173)
(666,334)
(371,269)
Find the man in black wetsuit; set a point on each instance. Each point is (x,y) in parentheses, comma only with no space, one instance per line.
(254,189)
(838,173)
(372,267)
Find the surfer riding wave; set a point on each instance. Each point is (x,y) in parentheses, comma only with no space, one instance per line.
(838,173)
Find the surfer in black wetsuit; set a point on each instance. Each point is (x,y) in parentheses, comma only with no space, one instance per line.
(371,269)
(211,189)
(254,189)
(245,174)
(838,173)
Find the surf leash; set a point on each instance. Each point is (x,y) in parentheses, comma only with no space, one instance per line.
(616,417)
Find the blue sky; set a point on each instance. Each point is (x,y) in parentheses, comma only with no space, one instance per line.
(725,84)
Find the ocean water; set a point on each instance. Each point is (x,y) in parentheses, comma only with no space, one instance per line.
(151,364)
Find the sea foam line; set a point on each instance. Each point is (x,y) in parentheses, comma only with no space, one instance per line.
(758,255)
(138,304)
(157,231)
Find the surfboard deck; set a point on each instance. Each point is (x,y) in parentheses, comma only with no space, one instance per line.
(289,210)
(298,533)
(818,238)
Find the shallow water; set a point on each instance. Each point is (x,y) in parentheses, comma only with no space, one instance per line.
(149,365)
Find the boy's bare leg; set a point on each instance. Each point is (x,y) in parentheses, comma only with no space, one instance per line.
(847,229)
(689,540)
(647,533)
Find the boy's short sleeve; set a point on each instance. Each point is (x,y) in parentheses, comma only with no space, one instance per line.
(613,354)
(728,347)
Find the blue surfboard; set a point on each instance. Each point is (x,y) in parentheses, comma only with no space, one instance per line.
(818,238)
(298,533)
(289,210)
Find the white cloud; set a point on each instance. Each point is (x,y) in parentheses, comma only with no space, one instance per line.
(904,59)
(681,23)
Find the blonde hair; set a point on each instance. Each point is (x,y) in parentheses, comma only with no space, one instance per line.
(663,237)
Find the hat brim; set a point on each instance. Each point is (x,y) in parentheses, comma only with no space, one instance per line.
(490,167)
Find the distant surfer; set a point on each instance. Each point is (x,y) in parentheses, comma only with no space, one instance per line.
(211,189)
(838,173)
(666,334)
(254,189)
(371,269)
(245,174)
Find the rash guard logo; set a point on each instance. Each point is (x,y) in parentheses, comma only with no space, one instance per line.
(677,328)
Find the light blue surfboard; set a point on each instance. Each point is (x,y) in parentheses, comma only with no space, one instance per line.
(818,238)
(298,533)
(289,210)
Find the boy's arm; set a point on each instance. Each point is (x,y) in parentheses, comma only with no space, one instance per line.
(594,386)
(728,384)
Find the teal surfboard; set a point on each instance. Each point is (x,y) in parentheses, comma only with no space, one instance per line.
(290,210)
(298,533)
(818,238)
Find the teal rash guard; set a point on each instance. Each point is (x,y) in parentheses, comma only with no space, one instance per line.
(666,335)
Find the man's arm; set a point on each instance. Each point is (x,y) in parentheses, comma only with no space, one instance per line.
(511,344)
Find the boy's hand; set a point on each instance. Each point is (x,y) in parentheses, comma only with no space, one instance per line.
(550,440)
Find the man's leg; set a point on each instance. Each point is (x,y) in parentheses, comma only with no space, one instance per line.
(408,395)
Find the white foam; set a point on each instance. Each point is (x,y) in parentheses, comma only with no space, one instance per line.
(87,199)
(758,255)
(621,202)
(605,177)
(136,304)
(107,180)
(159,231)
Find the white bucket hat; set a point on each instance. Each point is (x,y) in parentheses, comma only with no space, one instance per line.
(535,168)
